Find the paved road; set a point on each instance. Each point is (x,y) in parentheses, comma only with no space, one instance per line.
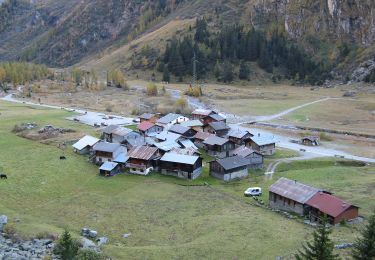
(281,140)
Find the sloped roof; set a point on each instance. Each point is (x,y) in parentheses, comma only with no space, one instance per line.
(238,133)
(179,158)
(293,190)
(187,144)
(328,204)
(233,162)
(108,166)
(215,140)
(167,136)
(144,126)
(85,141)
(202,135)
(191,123)
(142,152)
(167,145)
(179,129)
(121,131)
(146,116)
(186,151)
(244,151)
(263,139)
(202,112)
(106,147)
(121,158)
(217,126)
(168,118)
(217,117)
(109,129)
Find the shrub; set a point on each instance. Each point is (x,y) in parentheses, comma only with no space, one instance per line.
(66,247)
(85,254)
(10,231)
(325,137)
(152,90)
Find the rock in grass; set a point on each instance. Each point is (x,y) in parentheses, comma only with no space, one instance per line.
(102,241)
(3,222)
(126,235)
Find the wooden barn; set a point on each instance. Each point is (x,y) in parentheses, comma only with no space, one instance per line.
(149,129)
(213,118)
(229,168)
(104,151)
(265,144)
(220,129)
(184,131)
(170,119)
(327,205)
(255,159)
(200,137)
(181,165)
(218,147)
(85,144)
(239,136)
(200,114)
(148,117)
(196,125)
(310,140)
(142,159)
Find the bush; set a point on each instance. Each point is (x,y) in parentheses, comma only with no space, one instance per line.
(85,254)
(10,231)
(152,90)
(325,137)
(66,247)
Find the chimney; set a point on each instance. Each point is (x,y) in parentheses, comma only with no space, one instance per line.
(344,205)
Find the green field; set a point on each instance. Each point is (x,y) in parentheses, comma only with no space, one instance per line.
(167,218)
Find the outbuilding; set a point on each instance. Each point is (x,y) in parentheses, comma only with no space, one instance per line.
(109,169)
(218,147)
(104,151)
(255,159)
(85,144)
(184,131)
(229,168)
(220,129)
(265,144)
(142,159)
(239,136)
(181,165)
(327,205)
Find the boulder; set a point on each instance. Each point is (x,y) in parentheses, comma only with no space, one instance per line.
(102,241)
(93,233)
(126,235)
(3,222)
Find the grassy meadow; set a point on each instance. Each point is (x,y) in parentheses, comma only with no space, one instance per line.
(166,217)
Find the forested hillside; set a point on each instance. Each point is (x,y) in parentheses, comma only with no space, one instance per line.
(302,40)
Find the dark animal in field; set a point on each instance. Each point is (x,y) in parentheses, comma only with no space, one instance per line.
(62,158)
(3,176)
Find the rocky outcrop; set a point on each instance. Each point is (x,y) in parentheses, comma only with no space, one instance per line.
(363,70)
(352,21)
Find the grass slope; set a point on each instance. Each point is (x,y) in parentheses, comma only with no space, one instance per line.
(166,218)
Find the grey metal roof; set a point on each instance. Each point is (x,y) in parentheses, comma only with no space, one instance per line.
(233,162)
(121,158)
(263,139)
(108,166)
(217,117)
(179,158)
(109,129)
(106,147)
(146,116)
(202,112)
(167,145)
(202,135)
(168,118)
(142,152)
(217,126)
(215,140)
(238,133)
(244,151)
(85,141)
(191,123)
(167,136)
(187,144)
(293,190)
(179,129)
(186,151)
(121,131)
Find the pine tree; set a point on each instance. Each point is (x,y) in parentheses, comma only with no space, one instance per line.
(321,248)
(66,247)
(364,247)
(166,76)
(227,72)
(244,72)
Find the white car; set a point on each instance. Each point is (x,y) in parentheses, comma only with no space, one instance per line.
(253,191)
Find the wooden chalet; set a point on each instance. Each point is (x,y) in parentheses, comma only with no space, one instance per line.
(104,151)
(195,124)
(239,136)
(142,159)
(218,147)
(200,114)
(148,117)
(213,118)
(229,168)
(181,165)
(264,144)
(255,159)
(220,129)
(118,134)
(149,129)
(310,140)
(200,137)
(171,119)
(185,132)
